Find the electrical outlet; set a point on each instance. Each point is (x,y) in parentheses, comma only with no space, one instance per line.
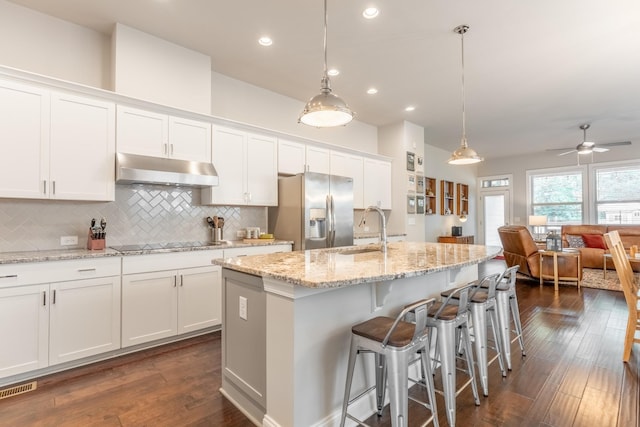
(243,308)
(68,240)
(366,228)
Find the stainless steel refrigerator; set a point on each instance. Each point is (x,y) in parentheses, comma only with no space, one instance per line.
(314,210)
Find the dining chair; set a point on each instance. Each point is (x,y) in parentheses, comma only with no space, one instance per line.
(629,287)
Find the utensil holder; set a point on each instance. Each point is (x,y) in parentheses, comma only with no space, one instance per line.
(216,235)
(95,244)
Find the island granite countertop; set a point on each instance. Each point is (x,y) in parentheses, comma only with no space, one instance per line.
(337,267)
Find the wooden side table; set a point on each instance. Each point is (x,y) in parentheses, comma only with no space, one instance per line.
(556,277)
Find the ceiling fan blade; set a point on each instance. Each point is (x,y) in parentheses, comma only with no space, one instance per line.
(614,144)
(567,152)
(560,149)
(600,149)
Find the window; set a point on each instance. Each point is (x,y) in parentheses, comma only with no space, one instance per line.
(558,194)
(617,194)
(495,183)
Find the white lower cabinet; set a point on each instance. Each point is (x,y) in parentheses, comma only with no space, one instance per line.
(59,311)
(84,318)
(167,302)
(24,329)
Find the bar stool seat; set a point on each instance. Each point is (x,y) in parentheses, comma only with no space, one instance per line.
(395,343)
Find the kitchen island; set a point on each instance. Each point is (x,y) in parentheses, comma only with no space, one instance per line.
(287,319)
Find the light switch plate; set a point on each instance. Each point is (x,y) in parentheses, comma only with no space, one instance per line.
(242,309)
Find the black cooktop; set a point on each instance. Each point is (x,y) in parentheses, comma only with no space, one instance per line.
(157,246)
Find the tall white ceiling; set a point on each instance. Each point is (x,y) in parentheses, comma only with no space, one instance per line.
(534,70)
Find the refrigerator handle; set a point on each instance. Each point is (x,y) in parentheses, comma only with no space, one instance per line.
(328,224)
(333,221)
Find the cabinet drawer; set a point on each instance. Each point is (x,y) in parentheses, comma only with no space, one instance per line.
(168,261)
(58,271)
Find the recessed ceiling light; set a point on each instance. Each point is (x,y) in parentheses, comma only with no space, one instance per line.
(372,91)
(410,108)
(265,41)
(333,72)
(370,12)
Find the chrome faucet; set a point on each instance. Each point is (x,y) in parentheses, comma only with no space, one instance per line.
(383,225)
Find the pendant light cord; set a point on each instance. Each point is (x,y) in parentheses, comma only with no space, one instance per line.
(464,126)
(325,39)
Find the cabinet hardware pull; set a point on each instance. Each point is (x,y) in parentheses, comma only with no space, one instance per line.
(181,281)
(12,276)
(172,149)
(175,281)
(53,187)
(53,300)
(44,298)
(84,270)
(165,149)
(44,190)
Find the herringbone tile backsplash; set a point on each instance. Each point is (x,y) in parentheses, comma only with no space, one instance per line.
(140,214)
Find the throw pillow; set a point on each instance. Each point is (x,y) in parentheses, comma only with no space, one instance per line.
(575,241)
(594,241)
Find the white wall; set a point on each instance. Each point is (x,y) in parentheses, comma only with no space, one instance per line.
(394,141)
(436,166)
(518,166)
(149,68)
(236,100)
(45,45)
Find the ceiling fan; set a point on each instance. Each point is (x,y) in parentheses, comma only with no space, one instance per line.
(589,147)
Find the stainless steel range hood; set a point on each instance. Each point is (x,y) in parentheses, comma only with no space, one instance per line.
(133,169)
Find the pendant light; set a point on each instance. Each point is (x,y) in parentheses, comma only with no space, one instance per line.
(326,109)
(463,155)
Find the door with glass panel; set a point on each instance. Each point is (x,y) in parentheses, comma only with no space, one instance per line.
(494,211)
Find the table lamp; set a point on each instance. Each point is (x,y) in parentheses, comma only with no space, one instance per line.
(536,221)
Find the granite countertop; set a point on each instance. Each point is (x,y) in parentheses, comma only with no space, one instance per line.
(329,268)
(79,253)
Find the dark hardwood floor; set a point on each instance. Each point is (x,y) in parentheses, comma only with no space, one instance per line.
(572,375)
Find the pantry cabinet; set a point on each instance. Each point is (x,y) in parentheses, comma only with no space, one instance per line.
(49,139)
(247,167)
(59,311)
(352,166)
(155,134)
(377,183)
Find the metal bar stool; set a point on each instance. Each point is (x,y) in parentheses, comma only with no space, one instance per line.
(507,310)
(482,305)
(451,320)
(395,343)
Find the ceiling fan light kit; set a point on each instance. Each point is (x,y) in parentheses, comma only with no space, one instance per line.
(326,109)
(589,147)
(464,155)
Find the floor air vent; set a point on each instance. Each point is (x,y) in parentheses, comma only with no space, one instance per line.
(18,389)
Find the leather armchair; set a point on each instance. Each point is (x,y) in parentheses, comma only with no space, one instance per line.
(520,249)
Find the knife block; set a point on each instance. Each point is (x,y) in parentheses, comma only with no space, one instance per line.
(95,244)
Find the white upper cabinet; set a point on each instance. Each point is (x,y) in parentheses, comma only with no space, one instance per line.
(291,157)
(247,167)
(49,139)
(297,157)
(377,183)
(318,160)
(350,165)
(24,140)
(82,146)
(158,135)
